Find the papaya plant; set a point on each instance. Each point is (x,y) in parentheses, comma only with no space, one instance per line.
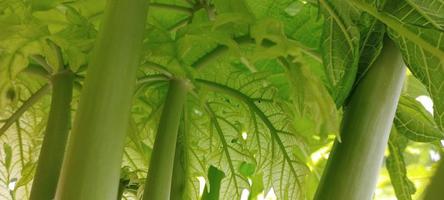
(221,99)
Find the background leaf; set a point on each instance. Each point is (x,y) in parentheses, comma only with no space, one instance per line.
(415,123)
(396,167)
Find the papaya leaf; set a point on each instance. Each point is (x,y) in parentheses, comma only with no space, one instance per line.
(340,48)
(415,123)
(396,167)
(420,45)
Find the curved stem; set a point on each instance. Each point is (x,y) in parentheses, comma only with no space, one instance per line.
(158,183)
(149,80)
(56,135)
(24,107)
(160,68)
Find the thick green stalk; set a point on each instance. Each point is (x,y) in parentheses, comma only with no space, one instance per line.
(178,183)
(158,183)
(56,135)
(353,165)
(92,162)
(435,189)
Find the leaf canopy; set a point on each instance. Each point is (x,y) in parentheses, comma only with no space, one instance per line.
(270,79)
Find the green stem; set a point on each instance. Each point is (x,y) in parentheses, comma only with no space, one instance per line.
(435,189)
(353,166)
(20,140)
(24,107)
(158,183)
(180,166)
(149,79)
(91,169)
(56,135)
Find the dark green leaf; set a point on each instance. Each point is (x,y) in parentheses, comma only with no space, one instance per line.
(372,34)
(212,189)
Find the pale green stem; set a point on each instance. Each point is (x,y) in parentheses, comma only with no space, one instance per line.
(56,135)
(91,169)
(158,183)
(353,165)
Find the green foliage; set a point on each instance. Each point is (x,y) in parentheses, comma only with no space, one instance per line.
(342,62)
(415,123)
(419,42)
(315,109)
(269,81)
